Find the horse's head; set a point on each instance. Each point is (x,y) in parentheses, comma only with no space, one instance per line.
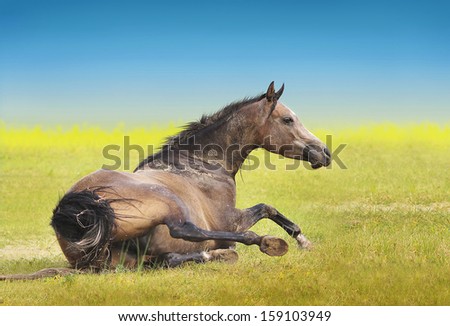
(283,133)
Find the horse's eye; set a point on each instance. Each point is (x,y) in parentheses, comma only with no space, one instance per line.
(288,120)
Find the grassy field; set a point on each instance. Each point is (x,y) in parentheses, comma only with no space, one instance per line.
(381,226)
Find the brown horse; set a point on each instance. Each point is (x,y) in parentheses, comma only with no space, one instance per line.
(179,204)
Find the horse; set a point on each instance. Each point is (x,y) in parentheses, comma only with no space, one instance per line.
(179,204)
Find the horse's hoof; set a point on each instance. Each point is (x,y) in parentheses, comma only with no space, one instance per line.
(273,246)
(304,243)
(224,255)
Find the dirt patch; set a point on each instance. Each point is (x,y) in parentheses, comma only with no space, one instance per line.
(29,250)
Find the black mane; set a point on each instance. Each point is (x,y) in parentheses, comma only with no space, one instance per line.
(205,121)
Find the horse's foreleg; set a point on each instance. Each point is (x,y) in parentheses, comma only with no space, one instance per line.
(252,215)
(188,231)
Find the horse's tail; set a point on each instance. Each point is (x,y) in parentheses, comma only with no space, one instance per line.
(83,222)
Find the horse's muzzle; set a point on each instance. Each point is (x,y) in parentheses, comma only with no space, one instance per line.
(318,156)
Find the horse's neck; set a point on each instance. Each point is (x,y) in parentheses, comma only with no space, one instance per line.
(221,147)
(227,146)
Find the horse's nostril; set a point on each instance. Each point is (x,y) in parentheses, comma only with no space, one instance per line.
(327,152)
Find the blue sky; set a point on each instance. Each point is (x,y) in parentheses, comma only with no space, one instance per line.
(149,62)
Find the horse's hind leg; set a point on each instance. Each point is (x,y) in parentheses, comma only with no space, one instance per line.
(186,230)
(252,215)
(175,260)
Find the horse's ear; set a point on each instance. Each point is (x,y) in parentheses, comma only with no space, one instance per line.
(270,94)
(280,92)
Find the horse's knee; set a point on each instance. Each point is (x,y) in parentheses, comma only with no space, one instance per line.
(266,210)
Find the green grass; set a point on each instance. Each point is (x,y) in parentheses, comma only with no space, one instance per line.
(381,227)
